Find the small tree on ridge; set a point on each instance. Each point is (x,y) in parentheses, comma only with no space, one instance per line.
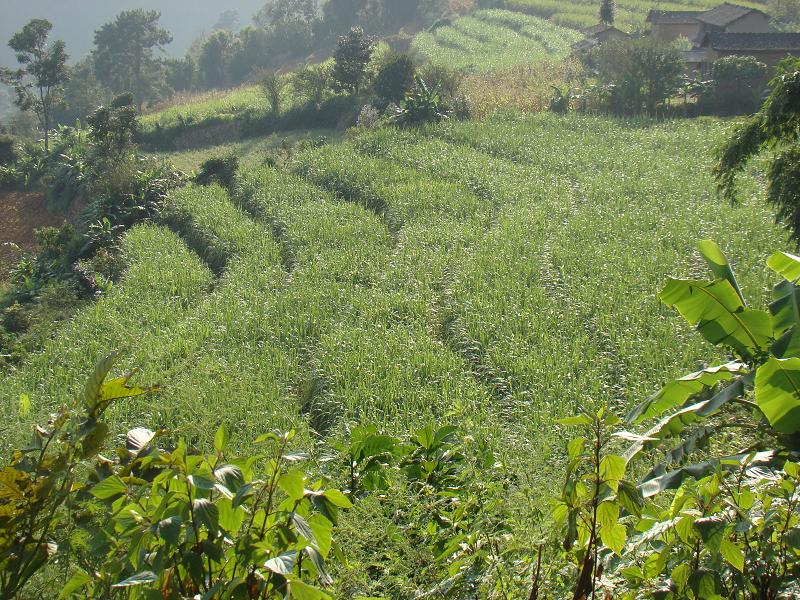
(351,58)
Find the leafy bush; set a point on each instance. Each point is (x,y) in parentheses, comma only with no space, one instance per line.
(738,82)
(774,126)
(395,78)
(351,59)
(423,105)
(218,169)
(174,521)
(8,150)
(643,72)
(731,528)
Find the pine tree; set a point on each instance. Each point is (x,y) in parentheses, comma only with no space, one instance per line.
(607,9)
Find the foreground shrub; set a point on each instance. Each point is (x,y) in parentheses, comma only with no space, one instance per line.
(172,522)
(218,169)
(423,105)
(731,529)
(395,78)
(738,82)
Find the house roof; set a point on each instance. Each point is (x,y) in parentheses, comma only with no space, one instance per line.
(725,14)
(674,17)
(752,41)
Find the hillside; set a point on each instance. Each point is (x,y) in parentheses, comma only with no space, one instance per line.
(494,275)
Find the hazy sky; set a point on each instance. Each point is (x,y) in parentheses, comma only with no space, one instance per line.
(75,21)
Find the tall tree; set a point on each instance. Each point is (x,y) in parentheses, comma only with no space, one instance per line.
(215,59)
(124,50)
(351,58)
(281,12)
(607,10)
(43,71)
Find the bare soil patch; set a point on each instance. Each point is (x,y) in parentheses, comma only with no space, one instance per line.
(21,213)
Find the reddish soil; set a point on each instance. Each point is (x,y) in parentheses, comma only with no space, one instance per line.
(20,214)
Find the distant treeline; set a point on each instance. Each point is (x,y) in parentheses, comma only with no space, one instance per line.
(127,55)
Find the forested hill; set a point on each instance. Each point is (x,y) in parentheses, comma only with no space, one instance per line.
(75,21)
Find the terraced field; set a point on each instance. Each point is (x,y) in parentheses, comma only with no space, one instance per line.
(496,275)
(630,14)
(490,40)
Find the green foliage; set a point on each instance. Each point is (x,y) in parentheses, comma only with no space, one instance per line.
(174,520)
(123,54)
(45,481)
(421,106)
(38,83)
(714,522)
(352,55)
(775,127)
(272,86)
(312,82)
(643,73)
(607,10)
(738,83)
(395,78)
(8,150)
(220,170)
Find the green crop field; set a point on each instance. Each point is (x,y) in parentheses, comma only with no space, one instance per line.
(494,39)
(630,14)
(497,275)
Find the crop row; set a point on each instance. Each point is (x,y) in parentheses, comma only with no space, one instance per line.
(494,39)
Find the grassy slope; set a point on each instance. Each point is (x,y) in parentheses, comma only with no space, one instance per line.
(494,39)
(630,14)
(497,275)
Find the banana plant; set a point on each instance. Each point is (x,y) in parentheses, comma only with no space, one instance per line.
(757,391)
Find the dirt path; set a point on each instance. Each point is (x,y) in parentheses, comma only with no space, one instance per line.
(20,214)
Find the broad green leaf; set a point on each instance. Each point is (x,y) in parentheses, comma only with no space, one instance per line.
(170,529)
(577,420)
(785,264)
(719,265)
(109,488)
(788,345)
(303,591)
(142,578)
(337,498)
(630,498)
(323,533)
(221,438)
(677,392)
(614,537)
(303,528)
(575,447)
(674,479)
(733,554)
(230,518)
(711,530)
(607,513)
(612,468)
(785,308)
(676,422)
(719,314)
(778,393)
(91,391)
(78,581)
(293,484)
(319,564)
(680,576)
(207,514)
(690,442)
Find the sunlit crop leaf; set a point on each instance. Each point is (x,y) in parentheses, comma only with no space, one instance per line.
(785,264)
(778,393)
(719,265)
(719,314)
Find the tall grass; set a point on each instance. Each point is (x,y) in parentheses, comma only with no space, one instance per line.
(496,274)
